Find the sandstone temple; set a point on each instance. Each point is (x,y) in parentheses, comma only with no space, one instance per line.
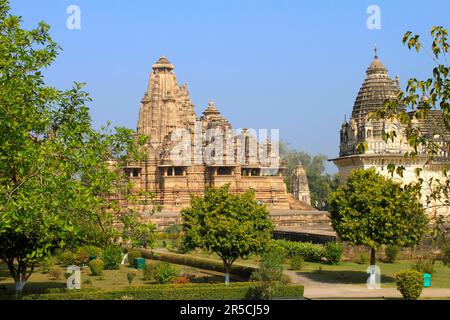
(186,153)
(377,88)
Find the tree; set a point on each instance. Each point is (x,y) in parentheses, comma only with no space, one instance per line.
(269,275)
(421,98)
(320,183)
(231,226)
(140,234)
(372,211)
(54,167)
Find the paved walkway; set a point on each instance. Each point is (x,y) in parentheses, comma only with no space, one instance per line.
(320,290)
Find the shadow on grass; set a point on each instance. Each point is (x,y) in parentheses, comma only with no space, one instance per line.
(343,277)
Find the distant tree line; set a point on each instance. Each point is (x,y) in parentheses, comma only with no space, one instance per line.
(321,184)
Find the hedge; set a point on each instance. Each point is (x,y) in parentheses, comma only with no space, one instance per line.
(233,291)
(196,262)
(309,251)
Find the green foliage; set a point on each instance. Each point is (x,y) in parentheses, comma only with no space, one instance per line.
(53,170)
(149,271)
(410,284)
(55,272)
(133,254)
(362,258)
(424,266)
(131,274)
(97,266)
(320,184)
(269,275)
(165,273)
(47,264)
(112,257)
(67,257)
(421,98)
(197,262)
(230,225)
(391,253)
(309,251)
(233,291)
(372,210)
(140,234)
(297,262)
(333,252)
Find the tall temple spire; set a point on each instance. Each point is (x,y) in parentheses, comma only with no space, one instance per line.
(376,51)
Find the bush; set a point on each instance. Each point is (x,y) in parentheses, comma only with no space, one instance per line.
(56,273)
(269,276)
(133,254)
(48,264)
(233,291)
(67,258)
(391,253)
(83,254)
(149,271)
(297,262)
(333,252)
(424,266)
(309,251)
(165,273)
(197,262)
(363,258)
(410,284)
(96,267)
(112,257)
(131,274)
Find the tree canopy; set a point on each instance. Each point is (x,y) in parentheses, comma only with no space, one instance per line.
(372,210)
(55,169)
(231,226)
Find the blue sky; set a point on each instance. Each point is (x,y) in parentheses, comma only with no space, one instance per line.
(290,65)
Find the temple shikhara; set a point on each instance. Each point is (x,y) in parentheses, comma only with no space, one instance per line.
(186,153)
(377,88)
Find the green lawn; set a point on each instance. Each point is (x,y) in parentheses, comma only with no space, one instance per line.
(353,273)
(110,280)
(350,272)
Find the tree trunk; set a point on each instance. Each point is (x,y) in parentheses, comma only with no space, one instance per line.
(19,274)
(226,269)
(372,257)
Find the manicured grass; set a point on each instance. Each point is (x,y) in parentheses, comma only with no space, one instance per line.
(110,280)
(352,273)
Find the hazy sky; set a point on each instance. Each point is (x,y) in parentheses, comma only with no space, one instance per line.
(290,65)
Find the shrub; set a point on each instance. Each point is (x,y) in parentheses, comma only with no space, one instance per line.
(83,254)
(67,258)
(333,252)
(297,262)
(133,254)
(149,271)
(197,262)
(131,274)
(56,273)
(309,251)
(363,258)
(269,276)
(112,257)
(410,284)
(165,273)
(391,253)
(96,267)
(47,264)
(233,291)
(424,266)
